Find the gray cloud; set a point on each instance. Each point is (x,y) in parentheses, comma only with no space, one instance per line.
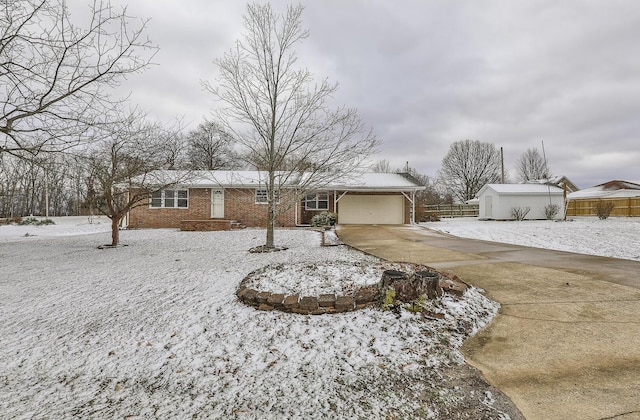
(424,74)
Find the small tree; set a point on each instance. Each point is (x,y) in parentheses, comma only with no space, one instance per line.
(467,167)
(603,209)
(121,165)
(281,120)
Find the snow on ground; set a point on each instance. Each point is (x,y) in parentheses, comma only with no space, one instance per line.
(617,237)
(154,330)
(64,226)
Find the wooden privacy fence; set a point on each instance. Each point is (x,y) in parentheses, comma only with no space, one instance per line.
(629,206)
(451,210)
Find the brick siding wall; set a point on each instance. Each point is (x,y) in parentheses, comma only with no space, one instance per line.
(239,204)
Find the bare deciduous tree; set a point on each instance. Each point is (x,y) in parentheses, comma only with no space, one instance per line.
(280,117)
(209,147)
(122,165)
(171,143)
(41,185)
(382,166)
(468,166)
(531,166)
(54,75)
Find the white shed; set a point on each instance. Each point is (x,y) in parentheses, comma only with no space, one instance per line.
(497,201)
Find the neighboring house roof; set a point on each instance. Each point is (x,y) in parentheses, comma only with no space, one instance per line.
(610,189)
(519,189)
(364,181)
(558,181)
(619,185)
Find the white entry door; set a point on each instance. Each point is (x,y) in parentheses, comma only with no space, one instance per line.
(217,204)
(488,207)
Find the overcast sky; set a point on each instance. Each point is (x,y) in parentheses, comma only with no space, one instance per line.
(424,74)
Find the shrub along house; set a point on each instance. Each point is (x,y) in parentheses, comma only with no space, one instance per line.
(218,200)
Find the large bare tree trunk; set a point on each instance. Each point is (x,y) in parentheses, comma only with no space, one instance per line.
(115,232)
(270,228)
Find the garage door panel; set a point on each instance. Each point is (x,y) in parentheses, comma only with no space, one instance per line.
(371,209)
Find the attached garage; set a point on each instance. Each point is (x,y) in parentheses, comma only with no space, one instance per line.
(369,209)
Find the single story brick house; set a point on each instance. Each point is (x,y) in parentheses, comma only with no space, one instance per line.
(496,201)
(212,200)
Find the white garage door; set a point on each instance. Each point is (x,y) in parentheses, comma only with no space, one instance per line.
(371,209)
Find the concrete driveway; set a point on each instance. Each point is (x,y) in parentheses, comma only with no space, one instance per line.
(566,342)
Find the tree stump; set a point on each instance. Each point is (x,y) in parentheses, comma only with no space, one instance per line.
(428,283)
(409,287)
(401,283)
(389,277)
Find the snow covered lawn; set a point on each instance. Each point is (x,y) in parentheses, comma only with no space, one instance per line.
(154,330)
(617,237)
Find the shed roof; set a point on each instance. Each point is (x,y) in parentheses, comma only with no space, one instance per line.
(524,189)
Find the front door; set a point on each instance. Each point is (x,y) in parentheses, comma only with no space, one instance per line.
(217,204)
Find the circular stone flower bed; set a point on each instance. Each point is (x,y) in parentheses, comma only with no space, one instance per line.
(336,286)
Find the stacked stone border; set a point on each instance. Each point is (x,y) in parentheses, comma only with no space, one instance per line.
(364,297)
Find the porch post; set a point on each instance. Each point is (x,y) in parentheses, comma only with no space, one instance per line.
(413,208)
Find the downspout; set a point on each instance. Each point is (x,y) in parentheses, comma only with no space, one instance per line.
(335,204)
(125,220)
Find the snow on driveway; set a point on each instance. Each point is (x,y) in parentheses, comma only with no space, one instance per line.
(617,237)
(154,330)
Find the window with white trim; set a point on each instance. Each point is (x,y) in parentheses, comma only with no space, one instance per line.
(317,201)
(170,199)
(263,198)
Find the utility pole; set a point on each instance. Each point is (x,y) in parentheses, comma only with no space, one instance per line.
(502,163)
(546,171)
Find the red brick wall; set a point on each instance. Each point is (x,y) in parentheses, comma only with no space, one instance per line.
(239,204)
(199,207)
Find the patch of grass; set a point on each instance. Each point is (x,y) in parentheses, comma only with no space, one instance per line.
(389,299)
